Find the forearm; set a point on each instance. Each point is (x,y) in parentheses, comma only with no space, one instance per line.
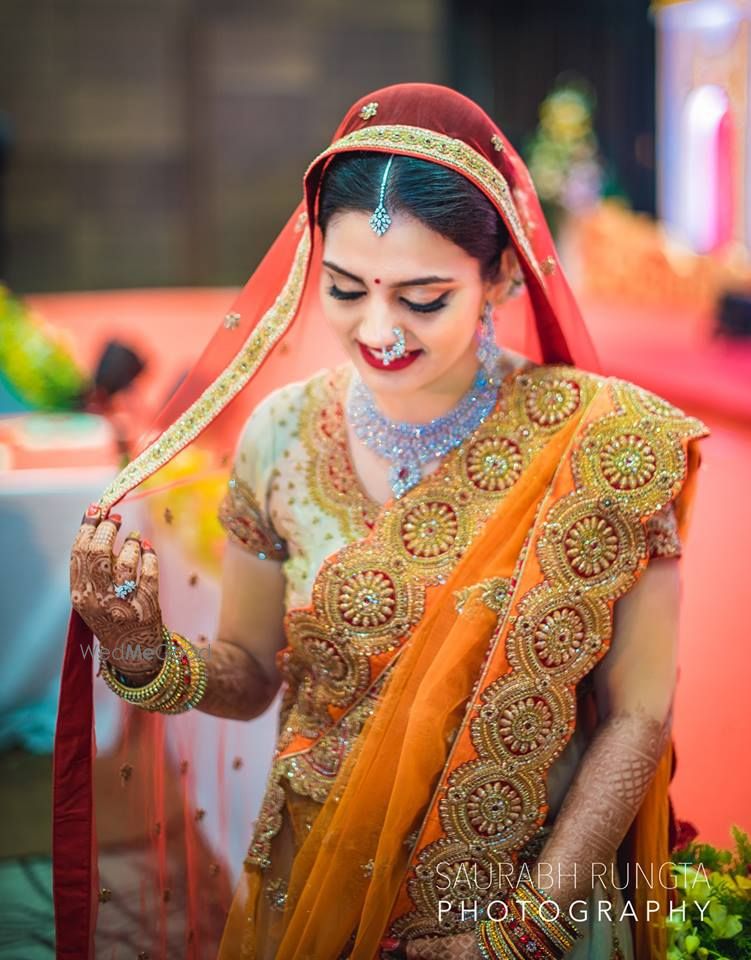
(237,687)
(602,801)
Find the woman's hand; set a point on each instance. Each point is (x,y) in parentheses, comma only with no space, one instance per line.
(460,946)
(129,629)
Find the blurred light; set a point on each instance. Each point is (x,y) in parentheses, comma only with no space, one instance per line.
(703,15)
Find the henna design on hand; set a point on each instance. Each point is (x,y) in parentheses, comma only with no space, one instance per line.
(460,946)
(603,799)
(237,687)
(124,627)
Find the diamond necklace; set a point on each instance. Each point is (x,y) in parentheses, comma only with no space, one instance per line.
(407,446)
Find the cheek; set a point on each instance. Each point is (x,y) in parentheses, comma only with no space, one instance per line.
(452,332)
(334,316)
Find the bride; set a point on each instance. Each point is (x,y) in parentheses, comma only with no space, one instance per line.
(453,548)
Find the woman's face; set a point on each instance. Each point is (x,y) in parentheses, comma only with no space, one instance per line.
(413,278)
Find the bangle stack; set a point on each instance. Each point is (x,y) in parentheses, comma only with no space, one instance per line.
(524,933)
(179,686)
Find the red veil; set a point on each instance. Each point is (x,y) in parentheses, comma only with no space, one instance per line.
(147,807)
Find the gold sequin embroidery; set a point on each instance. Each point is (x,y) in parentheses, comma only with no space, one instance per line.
(242,517)
(591,545)
(370,594)
(420,142)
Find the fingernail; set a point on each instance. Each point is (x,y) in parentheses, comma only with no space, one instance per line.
(115,518)
(146,545)
(389,943)
(92,510)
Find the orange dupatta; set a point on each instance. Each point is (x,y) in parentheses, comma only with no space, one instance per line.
(438,731)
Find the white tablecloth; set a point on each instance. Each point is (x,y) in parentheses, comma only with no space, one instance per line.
(40,511)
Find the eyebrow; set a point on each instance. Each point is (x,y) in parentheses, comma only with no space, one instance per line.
(418,282)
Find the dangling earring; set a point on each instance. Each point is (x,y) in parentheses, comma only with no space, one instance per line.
(488,351)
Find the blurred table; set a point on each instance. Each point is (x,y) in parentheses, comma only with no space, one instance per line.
(40,511)
(52,466)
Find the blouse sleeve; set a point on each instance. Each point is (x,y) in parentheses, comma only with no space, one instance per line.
(663,539)
(243,511)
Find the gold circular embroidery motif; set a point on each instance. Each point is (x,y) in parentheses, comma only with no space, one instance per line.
(591,545)
(429,529)
(525,724)
(486,802)
(551,402)
(559,636)
(555,634)
(494,463)
(494,807)
(628,461)
(449,873)
(367,599)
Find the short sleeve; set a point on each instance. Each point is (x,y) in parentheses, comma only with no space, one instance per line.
(663,539)
(243,511)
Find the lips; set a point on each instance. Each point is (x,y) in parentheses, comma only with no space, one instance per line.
(374,360)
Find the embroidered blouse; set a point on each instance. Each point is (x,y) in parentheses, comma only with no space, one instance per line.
(294,496)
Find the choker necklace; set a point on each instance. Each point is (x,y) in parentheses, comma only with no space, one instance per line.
(407,446)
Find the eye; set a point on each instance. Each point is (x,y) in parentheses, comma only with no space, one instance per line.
(338,294)
(430,307)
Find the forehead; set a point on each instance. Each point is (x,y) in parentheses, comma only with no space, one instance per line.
(407,249)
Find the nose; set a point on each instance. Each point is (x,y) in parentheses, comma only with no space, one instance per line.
(376,328)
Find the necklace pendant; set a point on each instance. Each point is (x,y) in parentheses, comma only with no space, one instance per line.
(407,446)
(404,476)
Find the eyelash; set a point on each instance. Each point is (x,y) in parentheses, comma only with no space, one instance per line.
(433,307)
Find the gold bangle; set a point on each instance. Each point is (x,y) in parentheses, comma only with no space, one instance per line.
(178,687)
(198,675)
(491,946)
(563,928)
(191,680)
(523,929)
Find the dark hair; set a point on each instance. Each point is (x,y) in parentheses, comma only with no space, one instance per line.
(442,199)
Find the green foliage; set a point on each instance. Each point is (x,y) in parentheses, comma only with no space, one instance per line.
(36,366)
(563,154)
(714,886)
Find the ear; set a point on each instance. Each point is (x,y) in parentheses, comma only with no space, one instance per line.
(497,291)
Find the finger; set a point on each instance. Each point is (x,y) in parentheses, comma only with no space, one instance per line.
(149,581)
(104,536)
(89,523)
(125,566)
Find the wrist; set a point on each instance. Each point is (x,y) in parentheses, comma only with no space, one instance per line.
(134,671)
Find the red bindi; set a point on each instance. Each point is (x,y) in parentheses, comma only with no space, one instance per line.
(376,280)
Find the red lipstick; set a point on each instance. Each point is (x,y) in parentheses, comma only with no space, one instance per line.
(402,362)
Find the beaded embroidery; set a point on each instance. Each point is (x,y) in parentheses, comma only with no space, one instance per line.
(219,393)
(663,539)
(370,594)
(590,546)
(419,142)
(243,519)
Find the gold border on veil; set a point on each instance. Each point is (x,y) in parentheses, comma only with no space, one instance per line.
(219,393)
(437,147)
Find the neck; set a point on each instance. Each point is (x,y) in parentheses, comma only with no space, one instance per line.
(433,400)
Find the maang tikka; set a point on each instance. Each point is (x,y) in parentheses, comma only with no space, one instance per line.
(381,221)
